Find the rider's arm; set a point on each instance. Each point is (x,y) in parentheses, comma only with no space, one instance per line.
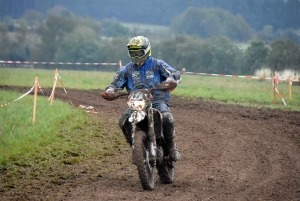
(168,72)
(119,80)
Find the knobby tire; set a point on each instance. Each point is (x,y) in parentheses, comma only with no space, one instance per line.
(141,160)
(165,168)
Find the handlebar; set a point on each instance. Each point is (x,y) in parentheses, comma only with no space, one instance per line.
(164,86)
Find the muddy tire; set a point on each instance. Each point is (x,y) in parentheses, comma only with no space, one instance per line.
(140,156)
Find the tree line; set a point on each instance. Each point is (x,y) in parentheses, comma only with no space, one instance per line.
(65,37)
(221,56)
(280,14)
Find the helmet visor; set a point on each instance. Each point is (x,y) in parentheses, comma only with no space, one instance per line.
(137,53)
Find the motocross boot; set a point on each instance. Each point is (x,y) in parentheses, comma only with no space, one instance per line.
(173,151)
(169,135)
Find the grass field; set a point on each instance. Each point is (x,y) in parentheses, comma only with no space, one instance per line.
(251,92)
(61,137)
(34,150)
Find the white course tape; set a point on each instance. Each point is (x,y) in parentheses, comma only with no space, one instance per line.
(19,97)
(25,93)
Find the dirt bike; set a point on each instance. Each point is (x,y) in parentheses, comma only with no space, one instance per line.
(146,135)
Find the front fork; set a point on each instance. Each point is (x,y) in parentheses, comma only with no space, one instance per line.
(151,145)
(151,136)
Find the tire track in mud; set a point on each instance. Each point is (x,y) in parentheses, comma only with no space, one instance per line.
(245,152)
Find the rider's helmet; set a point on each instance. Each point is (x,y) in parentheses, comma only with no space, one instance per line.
(139,49)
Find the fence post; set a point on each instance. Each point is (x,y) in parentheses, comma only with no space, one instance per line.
(274,88)
(290,87)
(53,91)
(35,98)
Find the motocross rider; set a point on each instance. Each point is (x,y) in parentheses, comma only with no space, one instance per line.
(150,71)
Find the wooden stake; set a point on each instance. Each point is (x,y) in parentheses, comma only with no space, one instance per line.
(274,88)
(35,98)
(53,92)
(290,87)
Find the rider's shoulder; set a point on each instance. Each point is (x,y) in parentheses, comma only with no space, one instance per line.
(128,66)
(160,62)
(155,62)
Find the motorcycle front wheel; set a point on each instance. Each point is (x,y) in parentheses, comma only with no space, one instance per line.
(140,156)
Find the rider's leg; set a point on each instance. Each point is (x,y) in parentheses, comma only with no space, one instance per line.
(126,129)
(169,134)
(168,130)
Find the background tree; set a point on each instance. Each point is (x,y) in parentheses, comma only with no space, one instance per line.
(214,55)
(288,34)
(113,28)
(20,49)
(211,22)
(5,44)
(33,18)
(51,33)
(224,55)
(254,58)
(81,45)
(113,50)
(237,28)
(266,35)
(196,21)
(60,11)
(66,37)
(285,54)
(167,50)
(281,14)
(95,25)
(189,53)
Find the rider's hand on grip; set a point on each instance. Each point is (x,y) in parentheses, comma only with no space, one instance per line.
(110,90)
(170,85)
(109,94)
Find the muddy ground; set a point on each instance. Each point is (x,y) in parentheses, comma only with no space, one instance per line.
(228,152)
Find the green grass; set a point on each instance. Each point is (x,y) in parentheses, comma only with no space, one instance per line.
(71,79)
(45,151)
(245,91)
(19,136)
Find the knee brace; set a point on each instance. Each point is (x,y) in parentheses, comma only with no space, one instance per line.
(168,127)
(168,119)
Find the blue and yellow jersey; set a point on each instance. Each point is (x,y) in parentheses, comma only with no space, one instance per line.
(151,73)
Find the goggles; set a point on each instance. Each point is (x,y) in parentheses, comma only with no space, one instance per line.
(137,53)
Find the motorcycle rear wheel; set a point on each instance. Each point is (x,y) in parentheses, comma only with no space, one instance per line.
(165,168)
(140,156)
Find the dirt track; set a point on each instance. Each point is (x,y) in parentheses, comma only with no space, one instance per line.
(228,153)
